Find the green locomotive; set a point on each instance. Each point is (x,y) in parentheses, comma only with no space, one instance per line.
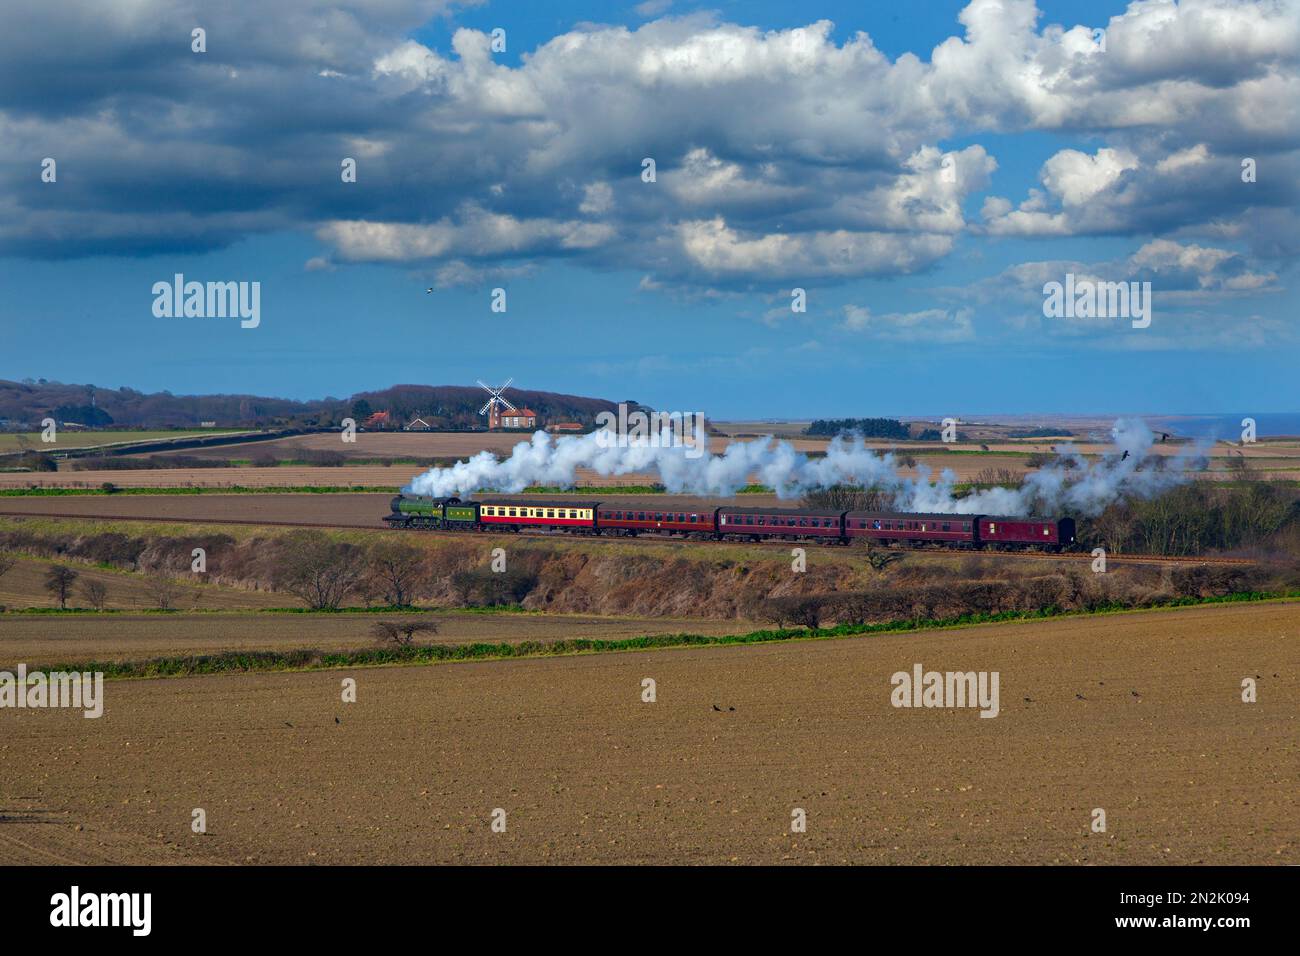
(421,511)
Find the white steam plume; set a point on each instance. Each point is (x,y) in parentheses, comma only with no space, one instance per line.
(1069,483)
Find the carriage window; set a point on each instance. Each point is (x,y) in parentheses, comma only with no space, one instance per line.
(876,524)
(992,527)
(512,513)
(749,519)
(965,526)
(640,516)
(695,518)
(550,513)
(762,519)
(1045,531)
(681,517)
(947,526)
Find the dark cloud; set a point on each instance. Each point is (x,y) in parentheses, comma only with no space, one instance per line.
(780,155)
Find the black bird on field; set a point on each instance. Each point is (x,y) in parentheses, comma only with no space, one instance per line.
(717,708)
(1164,437)
(1123,456)
(337,721)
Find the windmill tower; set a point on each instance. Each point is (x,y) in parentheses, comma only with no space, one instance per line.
(494,404)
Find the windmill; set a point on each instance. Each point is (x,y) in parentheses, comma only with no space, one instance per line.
(493,406)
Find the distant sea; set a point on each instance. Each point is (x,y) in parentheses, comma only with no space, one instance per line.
(1267,424)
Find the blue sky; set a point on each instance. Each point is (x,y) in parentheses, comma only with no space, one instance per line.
(810,159)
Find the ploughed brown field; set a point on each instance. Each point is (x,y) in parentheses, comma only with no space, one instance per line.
(338,508)
(43,639)
(419,445)
(1274,459)
(1139,714)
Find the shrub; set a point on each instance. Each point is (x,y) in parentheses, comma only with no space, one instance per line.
(401,633)
(803,610)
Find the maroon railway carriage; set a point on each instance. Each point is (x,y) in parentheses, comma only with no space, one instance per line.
(623,519)
(512,515)
(1053,533)
(781,523)
(889,527)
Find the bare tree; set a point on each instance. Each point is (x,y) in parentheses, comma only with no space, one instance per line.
(163,591)
(397,570)
(6,562)
(96,593)
(401,633)
(58,581)
(319,571)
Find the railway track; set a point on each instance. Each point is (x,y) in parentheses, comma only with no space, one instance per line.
(654,539)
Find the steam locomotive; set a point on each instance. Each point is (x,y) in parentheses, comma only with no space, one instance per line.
(731,524)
